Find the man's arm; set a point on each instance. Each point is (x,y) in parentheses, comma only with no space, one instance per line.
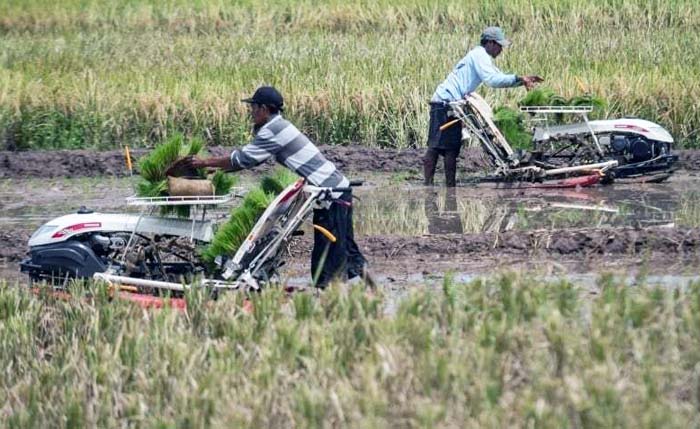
(495,78)
(492,75)
(250,155)
(220,162)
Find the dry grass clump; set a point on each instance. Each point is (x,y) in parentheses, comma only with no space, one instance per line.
(506,351)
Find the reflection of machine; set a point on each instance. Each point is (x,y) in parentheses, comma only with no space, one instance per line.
(147,253)
(552,211)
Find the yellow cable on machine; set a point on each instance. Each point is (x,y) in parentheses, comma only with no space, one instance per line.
(326,233)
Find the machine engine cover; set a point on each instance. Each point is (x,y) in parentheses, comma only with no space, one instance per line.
(619,144)
(70,258)
(640,149)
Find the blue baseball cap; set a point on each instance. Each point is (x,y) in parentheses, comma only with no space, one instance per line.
(497,35)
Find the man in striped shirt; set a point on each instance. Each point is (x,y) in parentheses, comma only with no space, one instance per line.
(277,137)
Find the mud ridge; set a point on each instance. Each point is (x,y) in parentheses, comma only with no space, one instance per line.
(88,163)
(13,245)
(584,242)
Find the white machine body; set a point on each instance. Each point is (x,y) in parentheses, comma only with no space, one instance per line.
(65,227)
(648,129)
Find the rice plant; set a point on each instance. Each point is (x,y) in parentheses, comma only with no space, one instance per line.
(242,219)
(97,74)
(154,169)
(502,351)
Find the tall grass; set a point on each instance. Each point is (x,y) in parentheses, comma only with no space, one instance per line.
(99,73)
(502,352)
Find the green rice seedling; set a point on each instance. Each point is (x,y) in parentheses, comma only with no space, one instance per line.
(257,199)
(230,235)
(278,180)
(510,123)
(537,97)
(598,103)
(223,182)
(242,219)
(151,189)
(154,167)
(547,97)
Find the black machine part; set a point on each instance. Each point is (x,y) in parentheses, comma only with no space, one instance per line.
(160,258)
(636,148)
(70,258)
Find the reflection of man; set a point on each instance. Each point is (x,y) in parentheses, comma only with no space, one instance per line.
(476,67)
(446,221)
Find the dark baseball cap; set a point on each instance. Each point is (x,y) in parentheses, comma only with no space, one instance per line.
(266,95)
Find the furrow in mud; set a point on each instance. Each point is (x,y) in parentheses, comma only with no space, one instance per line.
(585,242)
(547,243)
(582,242)
(87,163)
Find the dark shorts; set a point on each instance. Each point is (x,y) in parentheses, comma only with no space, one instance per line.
(447,139)
(342,259)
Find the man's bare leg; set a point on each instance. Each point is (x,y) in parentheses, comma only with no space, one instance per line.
(451,168)
(429,162)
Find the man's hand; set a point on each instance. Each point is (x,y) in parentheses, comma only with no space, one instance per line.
(531,81)
(189,165)
(195,162)
(183,167)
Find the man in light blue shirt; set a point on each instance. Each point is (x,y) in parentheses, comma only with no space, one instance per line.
(476,67)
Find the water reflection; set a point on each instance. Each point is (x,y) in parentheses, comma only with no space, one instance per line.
(418,210)
(443,214)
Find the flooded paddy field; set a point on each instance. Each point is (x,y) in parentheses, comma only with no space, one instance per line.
(415,235)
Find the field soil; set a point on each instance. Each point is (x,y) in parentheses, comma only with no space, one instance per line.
(87,163)
(655,250)
(669,249)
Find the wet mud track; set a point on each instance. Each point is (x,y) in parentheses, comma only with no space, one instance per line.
(670,249)
(408,232)
(585,243)
(88,163)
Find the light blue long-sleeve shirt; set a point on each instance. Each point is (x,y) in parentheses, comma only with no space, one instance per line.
(476,67)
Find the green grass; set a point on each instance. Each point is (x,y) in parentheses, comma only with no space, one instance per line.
(507,351)
(100,73)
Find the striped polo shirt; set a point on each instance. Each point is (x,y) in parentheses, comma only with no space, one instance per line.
(279,138)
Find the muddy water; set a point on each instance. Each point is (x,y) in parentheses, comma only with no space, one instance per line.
(390,207)
(409,210)
(406,229)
